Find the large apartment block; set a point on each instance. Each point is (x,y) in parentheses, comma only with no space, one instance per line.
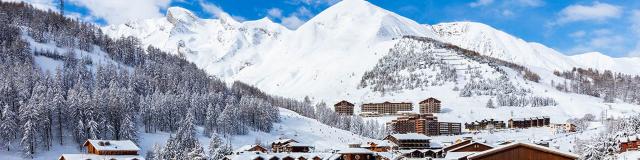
(430,105)
(386,107)
(344,108)
(424,124)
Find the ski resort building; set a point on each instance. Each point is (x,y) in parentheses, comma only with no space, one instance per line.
(410,141)
(290,145)
(529,122)
(280,156)
(344,108)
(107,149)
(281,144)
(386,107)
(430,105)
(484,125)
(424,124)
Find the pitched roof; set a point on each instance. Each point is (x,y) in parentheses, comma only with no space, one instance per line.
(112,145)
(297,155)
(410,136)
(458,155)
(469,144)
(528,145)
(286,140)
(429,99)
(100,157)
(294,144)
(246,148)
(355,151)
(344,102)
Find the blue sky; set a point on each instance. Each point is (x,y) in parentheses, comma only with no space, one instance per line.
(569,26)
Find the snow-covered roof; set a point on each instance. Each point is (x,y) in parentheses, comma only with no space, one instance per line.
(294,144)
(411,136)
(528,145)
(253,155)
(355,151)
(287,140)
(458,155)
(379,143)
(100,157)
(628,138)
(246,148)
(112,145)
(469,144)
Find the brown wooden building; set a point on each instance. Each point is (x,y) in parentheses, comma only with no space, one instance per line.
(522,151)
(430,105)
(280,145)
(424,124)
(111,147)
(357,154)
(386,107)
(629,143)
(529,122)
(251,148)
(410,141)
(485,124)
(344,108)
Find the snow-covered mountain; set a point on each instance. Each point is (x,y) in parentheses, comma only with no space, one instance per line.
(492,42)
(327,57)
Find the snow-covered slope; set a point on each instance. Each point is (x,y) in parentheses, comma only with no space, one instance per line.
(293,125)
(598,60)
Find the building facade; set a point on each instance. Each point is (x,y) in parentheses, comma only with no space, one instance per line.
(409,141)
(386,107)
(344,108)
(485,124)
(529,122)
(430,105)
(424,124)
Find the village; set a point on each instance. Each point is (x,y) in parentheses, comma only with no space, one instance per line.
(412,138)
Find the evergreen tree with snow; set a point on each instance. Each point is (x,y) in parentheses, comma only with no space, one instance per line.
(8,127)
(215,144)
(93,130)
(490,103)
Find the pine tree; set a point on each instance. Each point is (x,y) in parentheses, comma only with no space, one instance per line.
(8,127)
(93,129)
(215,144)
(128,129)
(490,104)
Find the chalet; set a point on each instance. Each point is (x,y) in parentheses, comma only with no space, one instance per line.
(386,107)
(485,124)
(99,157)
(430,105)
(106,149)
(344,108)
(279,156)
(111,147)
(280,145)
(378,146)
(529,122)
(518,150)
(461,152)
(410,141)
(629,143)
(298,147)
(356,154)
(250,148)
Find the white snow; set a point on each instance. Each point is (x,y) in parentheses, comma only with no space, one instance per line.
(113,145)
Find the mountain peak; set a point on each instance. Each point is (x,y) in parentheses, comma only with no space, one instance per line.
(177,15)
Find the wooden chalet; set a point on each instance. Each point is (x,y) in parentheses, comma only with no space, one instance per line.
(251,148)
(410,141)
(629,143)
(111,147)
(99,157)
(280,145)
(518,150)
(485,124)
(298,147)
(356,154)
(280,156)
(430,105)
(344,108)
(529,122)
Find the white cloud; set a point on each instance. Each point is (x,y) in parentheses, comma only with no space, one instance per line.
(218,12)
(635,21)
(599,12)
(507,13)
(480,3)
(578,34)
(275,12)
(122,11)
(314,2)
(530,3)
